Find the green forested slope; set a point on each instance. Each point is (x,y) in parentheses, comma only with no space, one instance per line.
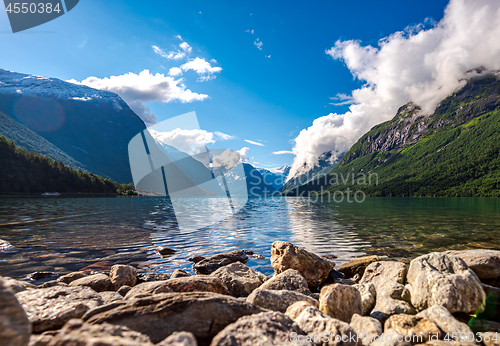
(23,172)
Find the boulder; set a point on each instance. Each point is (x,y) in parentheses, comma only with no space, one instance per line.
(98,282)
(124,290)
(76,332)
(315,323)
(313,268)
(196,259)
(441,279)
(121,275)
(278,300)
(179,273)
(211,264)
(50,308)
(390,337)
(418,328)
(158,316)
(179,339)
(366,327)
(70,277)
(379,273)
(357,266)
(491,339)
(267,328)
(368,295)
(294,310)
(394,290)
(386,307)
(446,322)
(15,328)
(40,340)
(290,280)
(110,297)
(485,263)
(51,284)
(239,279)
(145,289)
(16,286)
(340,301)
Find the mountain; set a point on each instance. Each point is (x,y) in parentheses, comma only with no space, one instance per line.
(275,176)
(326,162)
(452,152)
(256,183)
(91,128)
(24,172)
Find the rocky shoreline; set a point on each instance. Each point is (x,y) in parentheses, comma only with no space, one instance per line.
(442,298)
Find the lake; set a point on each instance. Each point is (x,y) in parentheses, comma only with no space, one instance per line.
(66,234)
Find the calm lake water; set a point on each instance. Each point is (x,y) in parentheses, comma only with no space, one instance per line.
(66,234)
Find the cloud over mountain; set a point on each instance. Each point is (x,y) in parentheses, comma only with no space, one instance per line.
(423,64)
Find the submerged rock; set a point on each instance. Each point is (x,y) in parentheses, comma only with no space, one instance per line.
(15,328)
(266,328)
(165,251)
(290,280)
(485,263)
(50,308)
(6,246)
(98,282)
(196,259)
(203,314)
(76,332)
(368,295)
(340,301)
(441,279)
(239,279)
(211,264)
(357,266)
(312,267)
(278,300)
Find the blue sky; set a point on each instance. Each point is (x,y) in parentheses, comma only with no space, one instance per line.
(255,97)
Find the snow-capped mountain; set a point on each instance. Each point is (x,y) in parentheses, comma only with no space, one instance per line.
(275,176)
(91,126)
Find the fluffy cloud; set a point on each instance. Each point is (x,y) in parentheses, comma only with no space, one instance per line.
(244,154)
(282,152)
(420,65)
(254,143)
(145,87)
(258,43)
(184,51)
(202,67)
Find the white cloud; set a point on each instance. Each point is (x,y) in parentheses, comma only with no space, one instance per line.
(145,87)
(254,143)
(419,65)
(189,141)
(223,136)
(268,56)
(174,71)
(202,67)
(258,43)
(282,152)
(244,154)
(250,31)
(183,52)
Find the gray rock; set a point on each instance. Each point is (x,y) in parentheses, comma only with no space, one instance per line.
(150,277)
(313,268)
(315,323)
(391,337)
(266,328)
(110,297)
(211,264)
(124,290)
(485,263)
(357,266)
(121,275)
(15,328)
(179,339)
(441,279)
(98,282)
(368,296)
(413,326)
(278,300)
(290,280)
(340,301)
(445,320)
(239,279)
(51,284)
(179,273)
(366,327)
(386,307)
(50,308)
(40,340)
(145,289)
(379,273)
(76,332)
(16,286)
(160,315)
(68,278)
(294,310)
